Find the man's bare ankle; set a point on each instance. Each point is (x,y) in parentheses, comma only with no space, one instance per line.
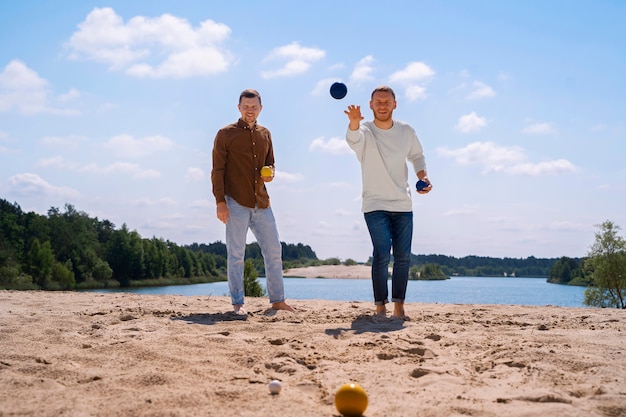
(281,305)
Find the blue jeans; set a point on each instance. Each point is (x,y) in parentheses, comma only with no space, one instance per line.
(390,230)
(263,225)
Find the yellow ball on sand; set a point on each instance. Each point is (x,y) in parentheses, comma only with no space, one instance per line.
(266,171)
(351,400)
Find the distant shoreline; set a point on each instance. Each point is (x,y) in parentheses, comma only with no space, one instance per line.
(330,271)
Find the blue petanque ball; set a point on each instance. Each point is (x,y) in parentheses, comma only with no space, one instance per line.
(420,185)
(338,90)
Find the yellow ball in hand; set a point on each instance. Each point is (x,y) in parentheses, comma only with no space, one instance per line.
(266,171)
(351,400)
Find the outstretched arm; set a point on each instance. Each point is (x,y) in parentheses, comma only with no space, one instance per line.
(354,115)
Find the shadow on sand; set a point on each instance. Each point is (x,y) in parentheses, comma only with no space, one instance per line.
(369,323)
(212,318)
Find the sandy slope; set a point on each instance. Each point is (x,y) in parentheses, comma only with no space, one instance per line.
(93,354)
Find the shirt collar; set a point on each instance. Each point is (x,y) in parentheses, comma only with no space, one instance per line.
(242,124)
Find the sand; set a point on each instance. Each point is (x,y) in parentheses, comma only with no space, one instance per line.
(119,354)
(331,271)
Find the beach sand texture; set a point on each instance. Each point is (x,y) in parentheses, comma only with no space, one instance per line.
(120,354)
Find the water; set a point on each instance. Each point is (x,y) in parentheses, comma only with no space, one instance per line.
(456,290)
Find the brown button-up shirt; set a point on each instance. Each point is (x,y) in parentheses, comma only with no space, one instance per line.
(239,153)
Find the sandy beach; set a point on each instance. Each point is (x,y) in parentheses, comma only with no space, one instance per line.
(119,354)
(331,271)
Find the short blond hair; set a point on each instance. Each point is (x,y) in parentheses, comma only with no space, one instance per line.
(384,89)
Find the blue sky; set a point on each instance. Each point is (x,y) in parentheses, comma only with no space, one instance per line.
(113,107)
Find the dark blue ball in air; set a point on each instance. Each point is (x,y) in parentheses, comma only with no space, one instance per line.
(338,90)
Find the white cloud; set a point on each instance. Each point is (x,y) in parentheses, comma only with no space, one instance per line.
(194,174)
(510,160)
(462,211)
(412,77)
(119,167)
(323,86)
(148,202)
(56,162)
(297,60)
(202,204)
(122,168)
(471,123)
(414,71)
(143,202)
(539,129)
(481,91)
(66,141)
(71,95)
(488,154)
(343,213)
(287,176)
(363,70)
(161,47)
(23,89)
(415,92)
(17,76)
(569,226)
(541,168)
(130,147)
(334,146)
(167,201)
(29,184)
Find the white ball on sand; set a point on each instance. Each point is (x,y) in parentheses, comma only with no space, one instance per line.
(275,386)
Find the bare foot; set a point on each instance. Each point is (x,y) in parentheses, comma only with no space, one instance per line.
(398,311)
(239,310)
(282,306)
(381,310)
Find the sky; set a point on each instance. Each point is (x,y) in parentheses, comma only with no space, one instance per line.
(113,106)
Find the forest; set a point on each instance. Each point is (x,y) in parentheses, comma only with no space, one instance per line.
(67,249)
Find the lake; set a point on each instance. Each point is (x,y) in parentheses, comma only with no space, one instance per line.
(456,290)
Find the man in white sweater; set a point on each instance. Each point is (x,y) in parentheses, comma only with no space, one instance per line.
(383,147)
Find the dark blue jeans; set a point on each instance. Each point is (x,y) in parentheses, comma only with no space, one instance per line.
(390,230)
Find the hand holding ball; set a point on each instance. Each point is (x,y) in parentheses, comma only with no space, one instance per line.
(421,184)
(266,171)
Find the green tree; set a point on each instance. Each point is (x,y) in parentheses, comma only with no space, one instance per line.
(125,255)
(431,272)
(607,266)
(74,236)
(564,270)
(252,286)
(40,261)
(63,276)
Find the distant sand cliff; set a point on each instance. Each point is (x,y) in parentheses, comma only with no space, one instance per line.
(331,271)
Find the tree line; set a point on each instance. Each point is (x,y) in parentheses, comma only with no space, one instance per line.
(484,266)
(67,249)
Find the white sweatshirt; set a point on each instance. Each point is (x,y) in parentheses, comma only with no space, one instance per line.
(383,155)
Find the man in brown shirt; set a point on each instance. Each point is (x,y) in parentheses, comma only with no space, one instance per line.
(240,150)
